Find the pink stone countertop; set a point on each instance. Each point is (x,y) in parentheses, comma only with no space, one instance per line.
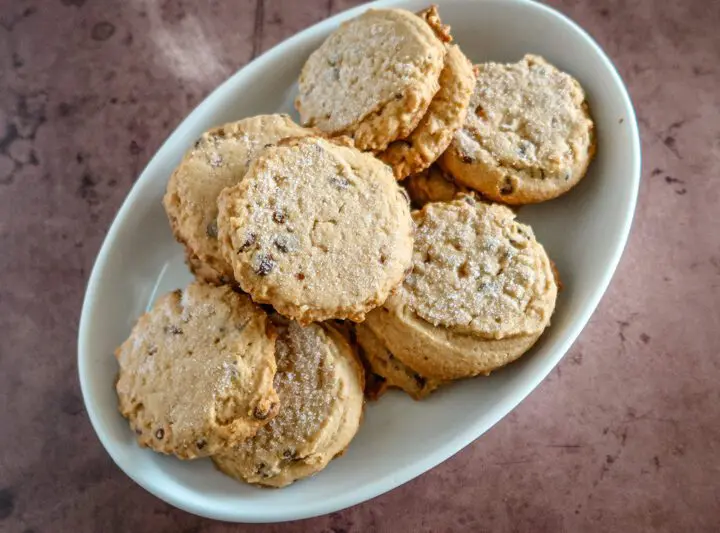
(623,436)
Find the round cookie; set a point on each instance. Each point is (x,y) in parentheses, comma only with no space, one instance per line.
(481,292)
(196,373)
(446,113)
(528,136)
(393,371)
(373,78)
(218,159)
(317,230)
(432,185)
(320,384)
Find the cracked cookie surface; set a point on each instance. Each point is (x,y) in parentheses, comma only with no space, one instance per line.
(528,136)
(217,160)
(320,385)
(196,373)
(373,78)
(317,229)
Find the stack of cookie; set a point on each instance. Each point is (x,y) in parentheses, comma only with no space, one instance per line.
(312,273)
(393,82)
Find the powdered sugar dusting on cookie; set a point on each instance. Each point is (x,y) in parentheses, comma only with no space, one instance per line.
(477,270)
(193,368)
(385,62)
(321,227)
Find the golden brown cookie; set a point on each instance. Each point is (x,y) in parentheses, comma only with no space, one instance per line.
(528,136)
(394,372)
(373,78)
(218,159)
(317,230)
(196,373)
(480,294)
(444,116)
(432,185)
(320,383)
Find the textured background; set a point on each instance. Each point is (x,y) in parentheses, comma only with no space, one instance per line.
(623,436)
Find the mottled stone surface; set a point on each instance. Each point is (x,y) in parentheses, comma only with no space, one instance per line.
(624,435)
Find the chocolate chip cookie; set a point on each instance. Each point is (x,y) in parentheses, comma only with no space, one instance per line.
(317,229)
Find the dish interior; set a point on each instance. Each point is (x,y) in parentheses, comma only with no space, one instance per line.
(584,233)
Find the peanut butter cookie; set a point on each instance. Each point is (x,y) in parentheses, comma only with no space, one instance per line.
(528,136)
(196,373)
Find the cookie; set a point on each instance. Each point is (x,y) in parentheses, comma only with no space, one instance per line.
(394,372)
(316,229)
(432,185)
(217,160)
(481,292)
(528,136)
(196,373)
(446,113)
(373,78)
(320,384)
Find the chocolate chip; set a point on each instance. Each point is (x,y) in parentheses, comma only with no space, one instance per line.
(466,159)
(173,330)
(198,142)
(249,241)
(265,266)
(159,434)
(421,381)
(383,259)
(200,444)
(268,145)
(507,188)
(300,276)
(220,132)
(398,96)
(279,216)
(281,243)
(212,229)
(153,350)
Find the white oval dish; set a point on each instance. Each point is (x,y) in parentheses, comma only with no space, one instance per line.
(584,232)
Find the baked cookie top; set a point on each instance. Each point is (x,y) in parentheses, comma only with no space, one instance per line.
(217,160)
(432,185)
(528,136)
(373,78)
(196,373)
(317,229)
(444,116)
(320,384)
(478,271)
